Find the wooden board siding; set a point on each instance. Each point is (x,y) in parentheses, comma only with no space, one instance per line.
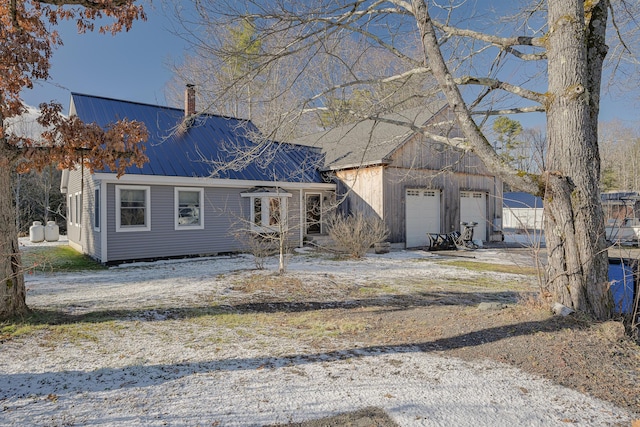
(422,153)
(364,190)
(397,180)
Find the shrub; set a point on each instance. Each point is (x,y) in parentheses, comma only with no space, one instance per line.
(356,233)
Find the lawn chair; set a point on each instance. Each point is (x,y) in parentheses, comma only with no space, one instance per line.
(465,239)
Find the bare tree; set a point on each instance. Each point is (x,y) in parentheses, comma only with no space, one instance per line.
(37,197)
(620,151)
(537,56)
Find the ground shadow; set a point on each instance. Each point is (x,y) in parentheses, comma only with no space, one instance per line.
(384,301)
(104,379)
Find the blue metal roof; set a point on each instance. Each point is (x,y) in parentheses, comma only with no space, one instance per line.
(521,200)
(211,146)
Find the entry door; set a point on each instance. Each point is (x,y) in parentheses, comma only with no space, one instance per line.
(422,215)
(314,213)
(473,208)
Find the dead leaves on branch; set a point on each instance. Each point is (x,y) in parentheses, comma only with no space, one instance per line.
(70,142)
(122,13)
(29,38)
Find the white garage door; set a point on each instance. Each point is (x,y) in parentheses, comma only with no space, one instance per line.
(423,215)
(473,208)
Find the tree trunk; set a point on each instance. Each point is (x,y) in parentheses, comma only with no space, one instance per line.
(12,289)
(574,225)
(574,222)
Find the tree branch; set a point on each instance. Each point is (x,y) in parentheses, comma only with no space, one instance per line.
(89,4)
(476,140)
(503,42)
(532,109)
(497,84)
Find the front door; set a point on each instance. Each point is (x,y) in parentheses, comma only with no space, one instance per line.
(314,214)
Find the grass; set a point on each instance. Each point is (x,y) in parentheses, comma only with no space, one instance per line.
(56,322)
(57,259)
(498,268)
(311,324)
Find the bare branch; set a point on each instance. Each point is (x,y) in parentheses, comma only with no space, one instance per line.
(89,4)
(504,42)
(477,140)
(497,84)
(520,110)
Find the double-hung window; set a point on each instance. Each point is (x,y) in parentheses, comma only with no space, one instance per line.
(188,208)
(96,209)
(133,210)
(268,210)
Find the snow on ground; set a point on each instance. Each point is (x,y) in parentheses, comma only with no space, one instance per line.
(167,371)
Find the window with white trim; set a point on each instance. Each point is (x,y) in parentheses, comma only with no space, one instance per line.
(133,210)
(96,209)
(268,211)
(188,208)
(70,208)
(78,208)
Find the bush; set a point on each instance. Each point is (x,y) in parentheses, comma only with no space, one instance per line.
(356,233)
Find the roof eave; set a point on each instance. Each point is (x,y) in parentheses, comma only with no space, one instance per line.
(383,162)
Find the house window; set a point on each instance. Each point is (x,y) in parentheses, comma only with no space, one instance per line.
(188,208)
(257,212)
(78,208)
(70,209)
(133,208)
(96,209)
(275,214)
(268,210)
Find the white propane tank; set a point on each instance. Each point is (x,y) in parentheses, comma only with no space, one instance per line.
(36,232)
(51,232)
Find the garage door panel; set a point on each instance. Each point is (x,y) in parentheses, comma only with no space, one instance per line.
(473,208)
(422,215)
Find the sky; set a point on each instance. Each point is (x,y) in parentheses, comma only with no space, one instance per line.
(134,66)
(130,66)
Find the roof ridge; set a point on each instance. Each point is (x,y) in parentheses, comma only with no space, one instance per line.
(165,107)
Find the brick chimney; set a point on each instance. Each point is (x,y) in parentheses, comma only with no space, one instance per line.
(189,100)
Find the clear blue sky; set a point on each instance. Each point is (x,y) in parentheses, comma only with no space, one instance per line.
(133,66)
(130,66)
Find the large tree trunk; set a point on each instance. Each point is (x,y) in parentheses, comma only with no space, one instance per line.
(574,227)
(574,222)
(12,290)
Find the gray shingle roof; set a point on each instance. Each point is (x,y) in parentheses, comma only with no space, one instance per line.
(370,141)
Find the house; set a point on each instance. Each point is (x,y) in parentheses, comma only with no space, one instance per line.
(416,184)
(622,216)
(522,211)
(182,203)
